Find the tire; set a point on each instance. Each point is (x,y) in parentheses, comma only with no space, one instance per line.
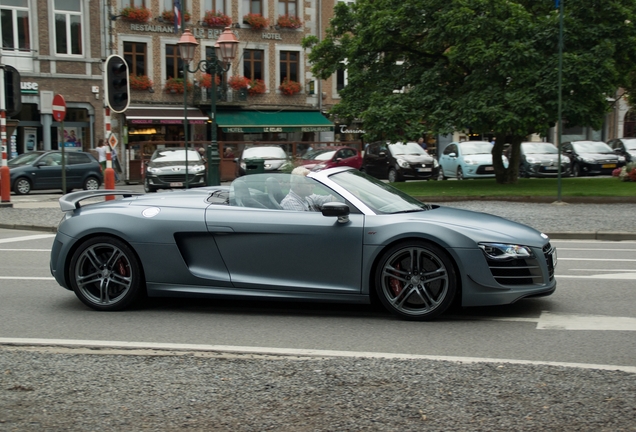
(460,173)
(91,183)
(440,175)
(393,176)
(105,274)
(576,170)
(22,186)
(148,188)
(415,280)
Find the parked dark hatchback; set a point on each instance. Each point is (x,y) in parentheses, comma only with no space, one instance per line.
(591,158)
(40,170)
(625,147)
(541,159)
(399,161)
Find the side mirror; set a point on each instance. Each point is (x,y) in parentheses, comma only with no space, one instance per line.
(40,163)
(336,209)
(382,154)
(453,155)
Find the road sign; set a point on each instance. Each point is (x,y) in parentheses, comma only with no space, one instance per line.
(59,107)
(112,140)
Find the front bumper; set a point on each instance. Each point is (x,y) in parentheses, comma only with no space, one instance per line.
(175,181)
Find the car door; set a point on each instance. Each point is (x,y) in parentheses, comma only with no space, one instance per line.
(448,160)
(282,250)
(48,172)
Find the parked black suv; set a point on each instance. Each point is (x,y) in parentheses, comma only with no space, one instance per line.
(39,170)
(399,161)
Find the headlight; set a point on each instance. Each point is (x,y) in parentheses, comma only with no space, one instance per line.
(243,165)
(621,158)
(152,170)
(435,163)
(470,162)
(198,168)
(503,252)
(531,160)
(403,163)
(588,160)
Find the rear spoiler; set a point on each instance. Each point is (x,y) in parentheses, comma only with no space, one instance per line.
(70,202)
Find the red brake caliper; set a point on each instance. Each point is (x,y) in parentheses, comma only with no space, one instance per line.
(123,270)
(395,284)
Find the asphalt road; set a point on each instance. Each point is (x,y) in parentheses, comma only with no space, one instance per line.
(589,320)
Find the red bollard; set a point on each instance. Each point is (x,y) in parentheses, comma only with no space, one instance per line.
(5,183)
(109,175)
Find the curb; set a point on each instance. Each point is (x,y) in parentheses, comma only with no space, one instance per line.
(532,199)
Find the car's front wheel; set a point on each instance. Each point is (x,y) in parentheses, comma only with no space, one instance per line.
(105,274)
(91,183)
(147,187)
(576,170)
(393,176)
(22,186)
(460,173)
(416,280)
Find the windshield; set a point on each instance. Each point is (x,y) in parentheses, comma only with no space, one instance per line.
(538,148)
(380,197)
(475,147)
(322,155)
(24,159)
(264,153)
(630,144)
(591,147)
(174,155)
(410,148)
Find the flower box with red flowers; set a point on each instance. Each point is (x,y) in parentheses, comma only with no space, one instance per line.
(140,82)
(135,14)
(238,82)
(176,85)
(216,19)
(168,16)
(289,21)
(257,21)
(289,87)
(206,80)
(256,86)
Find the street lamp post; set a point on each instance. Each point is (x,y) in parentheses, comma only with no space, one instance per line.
(224,52)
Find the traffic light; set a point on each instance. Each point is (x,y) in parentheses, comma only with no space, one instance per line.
(117,87)
(13,96)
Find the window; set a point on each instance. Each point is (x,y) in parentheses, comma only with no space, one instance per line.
(169,5)
(214,5)
(287,7)
(341,76)
(174,64)
(68,27)
(253,64)
(253,6)
(134,3)
(135,56)
(289,65)
(14,24)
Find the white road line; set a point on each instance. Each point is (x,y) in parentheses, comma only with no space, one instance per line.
(604,270)
(291,352)
(25,250)
(598,259)
(27,238)
(25,278)
(552,321)
(594,250)
(622,276)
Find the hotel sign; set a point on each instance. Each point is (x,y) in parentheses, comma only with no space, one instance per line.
(277,129)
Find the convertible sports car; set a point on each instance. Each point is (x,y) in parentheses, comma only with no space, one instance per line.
(369,242)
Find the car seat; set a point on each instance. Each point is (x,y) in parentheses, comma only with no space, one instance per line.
(242,196)
(275,192)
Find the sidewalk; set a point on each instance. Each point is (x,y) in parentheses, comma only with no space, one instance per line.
(604,219)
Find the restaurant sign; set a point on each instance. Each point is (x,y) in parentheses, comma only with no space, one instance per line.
(277,129)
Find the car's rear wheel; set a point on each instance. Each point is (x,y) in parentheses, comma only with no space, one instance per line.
(416,280)
(91,183)
(460,173)
(147,187)
(22,186)
(440,175)
(105,274)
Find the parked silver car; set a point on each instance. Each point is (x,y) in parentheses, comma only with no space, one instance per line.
(174,168)
(541,159)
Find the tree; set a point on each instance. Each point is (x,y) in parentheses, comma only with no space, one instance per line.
(488,65)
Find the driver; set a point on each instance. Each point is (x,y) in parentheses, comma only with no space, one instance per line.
(300,196)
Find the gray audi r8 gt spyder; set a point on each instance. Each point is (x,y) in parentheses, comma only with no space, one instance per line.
(368,241)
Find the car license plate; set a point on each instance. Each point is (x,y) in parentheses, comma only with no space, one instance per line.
(550,168)
(489,168)
(424,170)
(609,165)
(176,184)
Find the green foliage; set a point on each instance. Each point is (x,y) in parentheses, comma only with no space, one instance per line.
(488,65)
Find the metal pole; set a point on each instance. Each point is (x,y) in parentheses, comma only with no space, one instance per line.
(214,177)
(560,123)
(185,100)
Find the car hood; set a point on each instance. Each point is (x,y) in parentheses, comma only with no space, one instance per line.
(479,227)
(415,158)
(600,156)
(479,158)
(174,164)
(544,157)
